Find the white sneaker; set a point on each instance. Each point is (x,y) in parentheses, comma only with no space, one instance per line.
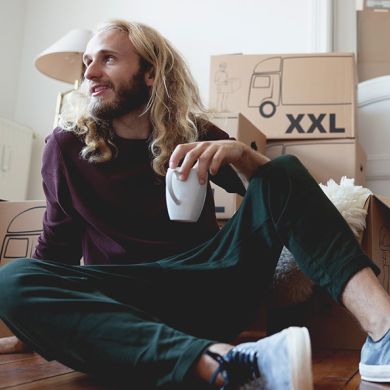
(375,359)
(279,362)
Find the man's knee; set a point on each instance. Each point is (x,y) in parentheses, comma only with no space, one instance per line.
(12,284)
(290,167)
(283,178)
(289,163)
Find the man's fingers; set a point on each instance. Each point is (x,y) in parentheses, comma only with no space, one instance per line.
(193,156)
(188,155)
(209,155)
(217,161)
(178,154)
(204,162)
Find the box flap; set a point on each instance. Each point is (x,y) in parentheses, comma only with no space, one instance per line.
(376,239)
(384,200)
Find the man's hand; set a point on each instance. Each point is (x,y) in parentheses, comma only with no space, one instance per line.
(211,155)
(12,345)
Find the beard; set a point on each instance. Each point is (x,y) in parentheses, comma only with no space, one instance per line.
(129,96)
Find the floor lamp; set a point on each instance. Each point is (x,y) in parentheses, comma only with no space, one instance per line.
(63,61)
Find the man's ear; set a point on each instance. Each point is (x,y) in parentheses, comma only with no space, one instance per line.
(149,77)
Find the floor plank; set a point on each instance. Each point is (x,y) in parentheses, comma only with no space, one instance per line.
(8,358)
(332,369)
(69,381)
(25,370)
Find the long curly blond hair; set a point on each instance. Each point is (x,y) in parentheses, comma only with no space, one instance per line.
(174,107)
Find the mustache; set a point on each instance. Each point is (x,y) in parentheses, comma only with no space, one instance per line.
(107,84)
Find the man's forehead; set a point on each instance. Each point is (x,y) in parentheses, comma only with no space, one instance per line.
(110,40)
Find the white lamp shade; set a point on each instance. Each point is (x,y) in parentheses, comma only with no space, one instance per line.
(63,60)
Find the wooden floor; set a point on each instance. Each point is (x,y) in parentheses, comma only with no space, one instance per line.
(332,370)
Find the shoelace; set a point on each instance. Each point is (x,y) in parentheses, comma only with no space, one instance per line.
(236,368)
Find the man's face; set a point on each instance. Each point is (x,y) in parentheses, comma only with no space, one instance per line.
(116,83)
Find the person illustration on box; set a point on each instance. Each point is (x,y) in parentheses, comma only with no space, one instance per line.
(157,303)
(221,80)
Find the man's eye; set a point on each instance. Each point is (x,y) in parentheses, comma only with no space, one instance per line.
(109,59)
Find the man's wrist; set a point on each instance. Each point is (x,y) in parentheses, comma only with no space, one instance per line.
(251,160)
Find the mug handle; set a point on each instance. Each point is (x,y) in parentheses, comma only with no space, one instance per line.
(170,187)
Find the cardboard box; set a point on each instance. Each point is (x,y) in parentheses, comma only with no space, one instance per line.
(330,325)
(288,96)
(373,32)
(20,227)
(239,127)
(325,159)
(376,238)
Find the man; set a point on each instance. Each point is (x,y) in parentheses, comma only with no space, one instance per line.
(158,301)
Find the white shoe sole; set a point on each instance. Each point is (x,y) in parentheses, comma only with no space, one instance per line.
(373,373)
(300,358)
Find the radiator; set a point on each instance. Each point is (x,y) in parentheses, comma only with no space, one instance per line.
(15,158)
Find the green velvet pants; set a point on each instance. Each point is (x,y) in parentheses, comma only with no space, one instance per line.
(144,325)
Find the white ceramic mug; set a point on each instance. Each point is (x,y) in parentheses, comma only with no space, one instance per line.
(185,199)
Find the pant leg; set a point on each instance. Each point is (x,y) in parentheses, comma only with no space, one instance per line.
(283,205)
(223,280)
(61,313)
(309,225)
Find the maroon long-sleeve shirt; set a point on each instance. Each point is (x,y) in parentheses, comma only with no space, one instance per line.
(115,212)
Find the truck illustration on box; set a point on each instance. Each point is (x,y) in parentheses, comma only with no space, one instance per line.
(281,82)
(22,234)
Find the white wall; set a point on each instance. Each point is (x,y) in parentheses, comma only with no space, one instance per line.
(11,37)
(344,26)
(198,29)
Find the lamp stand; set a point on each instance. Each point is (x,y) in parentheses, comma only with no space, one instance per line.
(60,102)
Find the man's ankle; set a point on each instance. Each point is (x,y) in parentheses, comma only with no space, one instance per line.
(379,331)
(207,366)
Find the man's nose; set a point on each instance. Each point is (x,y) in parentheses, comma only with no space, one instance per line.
(92,71)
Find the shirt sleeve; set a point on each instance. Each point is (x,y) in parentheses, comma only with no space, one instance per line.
(62,231)
(227,177)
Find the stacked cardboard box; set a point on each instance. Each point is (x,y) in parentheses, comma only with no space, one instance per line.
(305,104)
(20,227)
(373,31)
(240,128)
